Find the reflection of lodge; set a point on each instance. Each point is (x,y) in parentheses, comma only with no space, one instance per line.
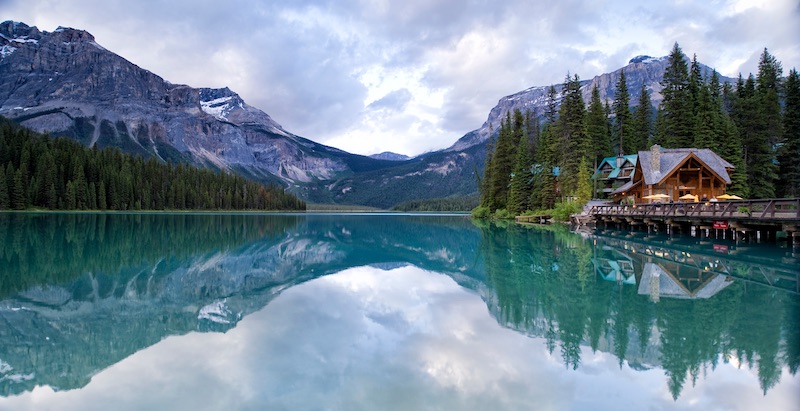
(677,271)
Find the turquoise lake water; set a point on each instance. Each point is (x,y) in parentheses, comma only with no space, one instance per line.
(387,312)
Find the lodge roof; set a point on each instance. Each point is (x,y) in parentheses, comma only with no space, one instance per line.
(612,161)
(672,158)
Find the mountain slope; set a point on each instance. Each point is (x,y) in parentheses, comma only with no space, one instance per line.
(64,83)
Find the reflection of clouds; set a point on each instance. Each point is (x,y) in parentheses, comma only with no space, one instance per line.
(370,339)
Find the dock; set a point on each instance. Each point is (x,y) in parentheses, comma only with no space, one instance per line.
(741,219)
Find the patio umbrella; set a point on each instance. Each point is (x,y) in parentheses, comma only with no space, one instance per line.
(656,196)
(689,197)
(729,197)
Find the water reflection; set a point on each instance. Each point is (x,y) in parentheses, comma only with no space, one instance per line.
(278,316)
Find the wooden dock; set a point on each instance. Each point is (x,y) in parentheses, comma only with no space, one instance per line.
(534,219)
(743,217)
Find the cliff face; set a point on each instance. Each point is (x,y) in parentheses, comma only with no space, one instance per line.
(64,83)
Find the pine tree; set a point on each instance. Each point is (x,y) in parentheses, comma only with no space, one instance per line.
(597,127)
(789,154)
(622,118)
(757,151)
(642,120)
(768,85)
(503,163)
(5,202)
(521,182)
(677,121)
(705,134)
(571,139)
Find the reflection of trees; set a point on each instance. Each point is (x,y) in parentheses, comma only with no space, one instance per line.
(543,287)
(55,248)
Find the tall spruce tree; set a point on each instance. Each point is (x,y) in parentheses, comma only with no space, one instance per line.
(677,120)
(789,154)
(757,151)
(597,127)
(519,198)
(623,130)
(643,121)
(571,137)
(502,164)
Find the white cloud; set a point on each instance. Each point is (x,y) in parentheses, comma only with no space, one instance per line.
(316,65)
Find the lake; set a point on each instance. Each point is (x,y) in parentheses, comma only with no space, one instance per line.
(387,312)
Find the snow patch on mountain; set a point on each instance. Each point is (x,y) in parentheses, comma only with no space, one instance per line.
(217,107)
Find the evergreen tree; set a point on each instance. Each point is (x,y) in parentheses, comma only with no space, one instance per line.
(706,121)
(502,164)
(623,130)
(677,122)
(572,142)
(642,121)
(584,191)
(768,87)
(789,154)
(695,83)
(5,202)
(521,182)
(551,112)
(597,127)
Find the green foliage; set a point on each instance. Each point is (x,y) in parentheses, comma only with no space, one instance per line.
(503,214)
(481,212)
(642,122)
(62,174)
(563,210)
(597,126)
(789,152)
(623,127)
(677,119)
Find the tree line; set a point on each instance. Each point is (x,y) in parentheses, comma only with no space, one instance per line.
(538,160)
(37,171)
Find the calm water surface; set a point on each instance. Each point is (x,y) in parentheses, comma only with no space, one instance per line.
(387,312)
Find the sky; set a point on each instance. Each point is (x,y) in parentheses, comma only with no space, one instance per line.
(410,76)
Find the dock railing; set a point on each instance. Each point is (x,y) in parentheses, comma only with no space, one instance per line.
(776,210)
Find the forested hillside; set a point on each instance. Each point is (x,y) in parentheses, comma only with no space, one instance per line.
(754,125)
(37,171)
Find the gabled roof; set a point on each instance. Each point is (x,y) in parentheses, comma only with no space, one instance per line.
(672,158)
(612,161)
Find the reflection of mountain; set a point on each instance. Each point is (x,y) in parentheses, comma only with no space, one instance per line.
(600,292)
(84,291)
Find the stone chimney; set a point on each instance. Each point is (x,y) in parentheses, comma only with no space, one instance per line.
(619,160)
(655,157)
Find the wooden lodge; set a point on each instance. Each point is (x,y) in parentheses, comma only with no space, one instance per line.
(666,175)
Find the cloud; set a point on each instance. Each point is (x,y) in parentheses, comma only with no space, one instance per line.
(395,101)
(308,63)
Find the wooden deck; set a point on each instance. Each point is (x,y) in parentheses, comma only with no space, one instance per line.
(769,215)
(769,211)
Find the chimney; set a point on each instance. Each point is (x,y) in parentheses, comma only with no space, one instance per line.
(655,157)
(619,160)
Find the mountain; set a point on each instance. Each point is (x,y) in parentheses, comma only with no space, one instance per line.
(66,84)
